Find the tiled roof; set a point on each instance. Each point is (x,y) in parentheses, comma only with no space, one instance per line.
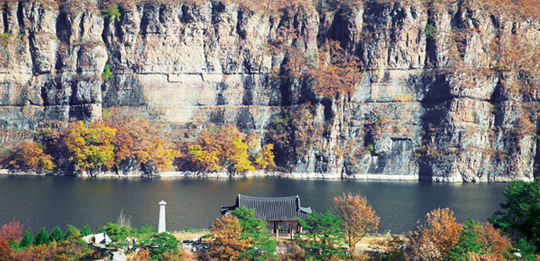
(271,209)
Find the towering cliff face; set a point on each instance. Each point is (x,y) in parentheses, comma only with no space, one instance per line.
(449,92)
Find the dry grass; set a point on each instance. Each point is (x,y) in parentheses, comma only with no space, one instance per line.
(188,235)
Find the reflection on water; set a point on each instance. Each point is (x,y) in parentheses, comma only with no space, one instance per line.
(194,203)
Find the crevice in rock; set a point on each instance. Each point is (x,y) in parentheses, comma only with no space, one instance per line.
(431,44)
(20,17)
(143,30)
(105,33)
(33,51)
(5,13)
(217,116)
(328,112)
(239,25)
(217,9)
(245,121)
(63,28)
(284,88)
(73,99)
(81,25)
(43,95)
(248,82)
(435,104)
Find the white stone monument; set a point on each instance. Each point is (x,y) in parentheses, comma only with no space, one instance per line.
(161,227)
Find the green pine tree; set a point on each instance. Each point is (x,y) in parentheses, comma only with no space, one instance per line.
(522,251)
(27,239)
(42,238)
(520,217)
(72,233)
(264,246)
(327,236)
(56,235)
(467,242)
(86,231)
(166,243)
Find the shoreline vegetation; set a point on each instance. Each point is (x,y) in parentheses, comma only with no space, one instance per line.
(124,146)
(248,174)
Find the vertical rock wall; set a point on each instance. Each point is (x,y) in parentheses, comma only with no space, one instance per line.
(426,107)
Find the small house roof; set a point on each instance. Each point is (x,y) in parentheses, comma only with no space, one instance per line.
(271,208)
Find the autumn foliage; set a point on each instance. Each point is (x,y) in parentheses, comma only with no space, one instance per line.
(337,73)
(136,144)
(27,155)
(9,234)
(359,218)
(433,238)
(226,148)
(90,148)
(226,243)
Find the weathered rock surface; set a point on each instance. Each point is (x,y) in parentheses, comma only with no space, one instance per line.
(426,107)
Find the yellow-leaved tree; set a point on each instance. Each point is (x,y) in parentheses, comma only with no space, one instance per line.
(265,157)
(227,148)
(90,149)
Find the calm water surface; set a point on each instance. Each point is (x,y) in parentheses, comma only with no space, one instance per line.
(57,201)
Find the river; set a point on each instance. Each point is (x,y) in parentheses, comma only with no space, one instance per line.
(194,203)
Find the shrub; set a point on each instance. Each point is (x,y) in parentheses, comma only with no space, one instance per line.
(107,73)
(111,12)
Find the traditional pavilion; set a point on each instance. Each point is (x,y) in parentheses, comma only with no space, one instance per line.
(273,210)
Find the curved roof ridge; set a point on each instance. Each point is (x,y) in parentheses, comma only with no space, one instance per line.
(268,198)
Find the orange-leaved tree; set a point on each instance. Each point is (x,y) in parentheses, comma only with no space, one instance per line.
(358,217)
(226,243)
(138,143)
(28,155)
(90,148)
(433,238)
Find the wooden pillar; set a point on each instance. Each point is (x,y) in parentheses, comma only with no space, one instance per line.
(276,229)
(292,230)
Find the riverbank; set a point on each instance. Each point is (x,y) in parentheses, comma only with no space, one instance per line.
(220,175)
(261,174)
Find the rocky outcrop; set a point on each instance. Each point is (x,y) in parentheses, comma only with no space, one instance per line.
(443,97)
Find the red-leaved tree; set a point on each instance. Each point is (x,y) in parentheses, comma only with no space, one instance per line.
(9,234)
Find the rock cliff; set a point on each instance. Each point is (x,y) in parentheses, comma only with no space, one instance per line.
(449,91)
